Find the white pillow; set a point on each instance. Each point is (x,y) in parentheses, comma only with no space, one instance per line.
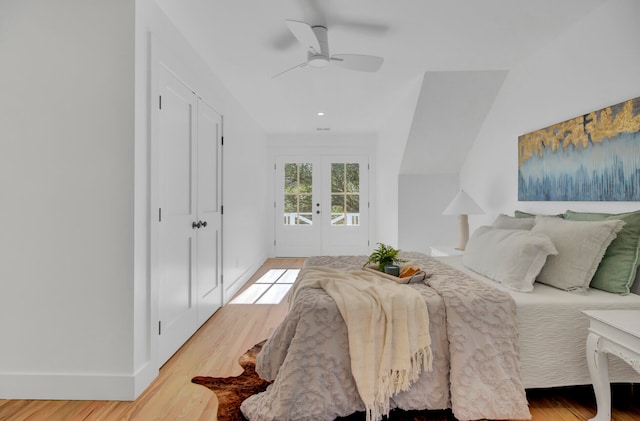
(511,257)
(581,246)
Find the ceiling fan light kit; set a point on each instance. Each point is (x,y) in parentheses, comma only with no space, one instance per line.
(315,39)
(317,60)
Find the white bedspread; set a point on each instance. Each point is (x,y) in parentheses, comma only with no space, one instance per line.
(553,332)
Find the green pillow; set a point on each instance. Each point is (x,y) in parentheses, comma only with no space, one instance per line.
(520,214)
(617,270)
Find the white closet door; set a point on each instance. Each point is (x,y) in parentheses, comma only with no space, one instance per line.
(209,186)
(177,308)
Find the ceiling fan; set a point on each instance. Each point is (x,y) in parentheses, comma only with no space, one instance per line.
(314,38)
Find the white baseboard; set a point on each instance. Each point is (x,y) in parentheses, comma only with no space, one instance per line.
(241,280)
(95,387)
(144,377)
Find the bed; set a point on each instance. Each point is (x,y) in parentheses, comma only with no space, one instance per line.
(553,332)
(307,357)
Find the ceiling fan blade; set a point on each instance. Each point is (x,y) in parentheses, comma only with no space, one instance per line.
(359,62)
(304,33)
(297,66)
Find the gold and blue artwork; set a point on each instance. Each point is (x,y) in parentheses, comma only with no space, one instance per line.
(594,157)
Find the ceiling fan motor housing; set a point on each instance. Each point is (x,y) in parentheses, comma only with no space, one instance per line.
(319,58)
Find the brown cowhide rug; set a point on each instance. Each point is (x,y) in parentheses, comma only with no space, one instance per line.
(231,391)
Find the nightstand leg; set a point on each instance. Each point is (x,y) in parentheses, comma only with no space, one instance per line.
(599,371)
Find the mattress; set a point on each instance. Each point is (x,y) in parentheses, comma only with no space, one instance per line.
(553,332)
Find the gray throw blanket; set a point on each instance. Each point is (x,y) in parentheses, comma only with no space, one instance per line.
(473,341)
(483,345)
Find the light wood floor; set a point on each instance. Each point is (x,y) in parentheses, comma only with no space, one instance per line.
(213,351)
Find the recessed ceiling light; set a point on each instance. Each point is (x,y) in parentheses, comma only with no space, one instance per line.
(320,113)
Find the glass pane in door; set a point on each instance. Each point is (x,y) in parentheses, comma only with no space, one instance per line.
(298,194)
(345,194)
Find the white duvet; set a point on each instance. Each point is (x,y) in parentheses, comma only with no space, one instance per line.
(553,332)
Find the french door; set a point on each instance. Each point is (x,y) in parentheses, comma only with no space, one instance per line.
(322,205)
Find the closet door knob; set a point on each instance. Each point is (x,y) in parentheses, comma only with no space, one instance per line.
(195,225)
(203,223)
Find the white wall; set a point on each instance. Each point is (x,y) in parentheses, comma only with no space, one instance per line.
(594,64)
(421,224)
(245,189)
(77,296)
(248,206)
(66,196)
(245,233)
(245,196)
(392,139)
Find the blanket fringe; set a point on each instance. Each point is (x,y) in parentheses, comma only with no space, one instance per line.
(398,381)
(406,354)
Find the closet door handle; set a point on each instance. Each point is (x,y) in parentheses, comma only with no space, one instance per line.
(203,223)
(195,225)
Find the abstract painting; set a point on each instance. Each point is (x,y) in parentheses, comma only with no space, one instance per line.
(594,157)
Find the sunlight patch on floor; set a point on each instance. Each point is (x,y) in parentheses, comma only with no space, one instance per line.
(271,288)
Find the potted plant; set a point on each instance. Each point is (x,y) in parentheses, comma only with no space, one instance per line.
(384,255)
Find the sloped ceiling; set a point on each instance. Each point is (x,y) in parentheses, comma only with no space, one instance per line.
(450,111)
(458,45)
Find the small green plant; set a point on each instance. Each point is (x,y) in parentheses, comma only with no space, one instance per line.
(384,255)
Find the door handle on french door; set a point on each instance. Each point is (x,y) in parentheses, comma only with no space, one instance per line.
(203,223)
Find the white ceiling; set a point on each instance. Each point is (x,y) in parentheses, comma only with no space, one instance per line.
(246,42)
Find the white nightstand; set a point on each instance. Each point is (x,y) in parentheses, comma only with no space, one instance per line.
(614,332)
(439,251)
